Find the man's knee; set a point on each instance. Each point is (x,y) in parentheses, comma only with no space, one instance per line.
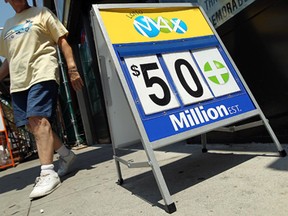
(36,122)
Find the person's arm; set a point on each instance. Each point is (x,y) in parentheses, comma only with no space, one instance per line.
(4,69)
(73,73)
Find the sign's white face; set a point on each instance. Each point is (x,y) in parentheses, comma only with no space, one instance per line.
(151,84)
(216,72)
(157,87)
(187,78)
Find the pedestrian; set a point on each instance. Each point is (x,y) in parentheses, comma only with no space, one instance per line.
(29,45)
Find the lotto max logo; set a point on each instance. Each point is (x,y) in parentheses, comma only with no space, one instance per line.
(149,27)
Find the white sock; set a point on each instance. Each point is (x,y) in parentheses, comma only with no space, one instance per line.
(63,151)
(47,169)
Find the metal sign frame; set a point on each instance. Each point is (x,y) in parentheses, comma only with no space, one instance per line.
(123,99)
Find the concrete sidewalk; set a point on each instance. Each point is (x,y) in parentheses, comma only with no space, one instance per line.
(245,180)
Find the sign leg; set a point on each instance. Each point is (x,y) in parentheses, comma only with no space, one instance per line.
(204,142)
(170,205)
(281,151)
(120,179)
(118,168)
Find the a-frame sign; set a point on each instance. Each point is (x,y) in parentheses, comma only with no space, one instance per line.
(166,77)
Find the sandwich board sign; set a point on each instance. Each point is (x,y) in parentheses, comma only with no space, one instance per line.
(166,77)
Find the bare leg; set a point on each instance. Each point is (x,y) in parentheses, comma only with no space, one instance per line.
(44,136)
(48,180)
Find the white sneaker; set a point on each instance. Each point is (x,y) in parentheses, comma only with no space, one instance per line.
(45,184)
(65,163)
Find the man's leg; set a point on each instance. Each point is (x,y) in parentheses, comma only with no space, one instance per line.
(49,179)
(42,131)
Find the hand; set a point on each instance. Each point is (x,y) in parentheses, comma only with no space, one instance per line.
(76,80)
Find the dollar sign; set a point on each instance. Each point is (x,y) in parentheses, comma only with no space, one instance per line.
(135,70)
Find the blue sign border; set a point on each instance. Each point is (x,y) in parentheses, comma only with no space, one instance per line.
(159,125)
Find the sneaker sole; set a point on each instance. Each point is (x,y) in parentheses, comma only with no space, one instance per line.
(45,194)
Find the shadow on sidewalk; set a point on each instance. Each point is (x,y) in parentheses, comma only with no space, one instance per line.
(182,174)
(20,179)
(193,169)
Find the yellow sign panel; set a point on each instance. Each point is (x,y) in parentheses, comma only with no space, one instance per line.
(154,24)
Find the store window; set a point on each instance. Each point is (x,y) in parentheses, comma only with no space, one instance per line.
(93,91)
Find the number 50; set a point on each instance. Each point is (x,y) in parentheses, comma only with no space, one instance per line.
(180,65)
